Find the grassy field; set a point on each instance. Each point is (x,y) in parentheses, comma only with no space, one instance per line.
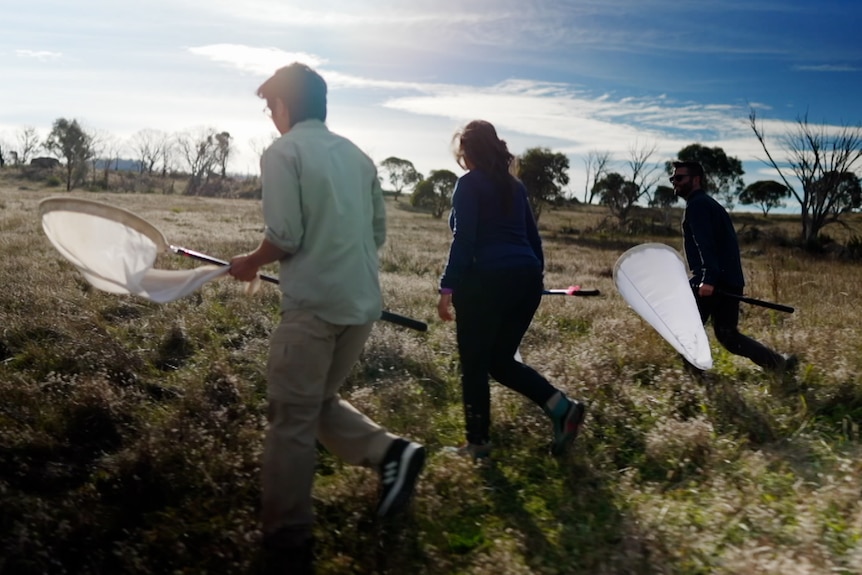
(130,432)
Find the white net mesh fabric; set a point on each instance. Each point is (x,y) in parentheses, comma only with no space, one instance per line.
(653,281)
(116,250)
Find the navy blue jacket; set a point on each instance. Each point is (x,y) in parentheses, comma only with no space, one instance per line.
(485,235)
(711,247)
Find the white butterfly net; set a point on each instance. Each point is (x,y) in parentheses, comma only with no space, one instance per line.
(115,250)
(652,279)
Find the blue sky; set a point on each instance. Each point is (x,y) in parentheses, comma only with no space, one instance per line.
(574,76)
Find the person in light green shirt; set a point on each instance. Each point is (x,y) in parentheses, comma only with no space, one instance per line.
(323,205)
(325,220)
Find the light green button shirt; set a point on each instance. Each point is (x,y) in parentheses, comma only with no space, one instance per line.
(322,203)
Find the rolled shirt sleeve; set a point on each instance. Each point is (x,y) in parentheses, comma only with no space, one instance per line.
(282,201)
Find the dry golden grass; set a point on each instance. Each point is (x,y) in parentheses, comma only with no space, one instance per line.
(130,432)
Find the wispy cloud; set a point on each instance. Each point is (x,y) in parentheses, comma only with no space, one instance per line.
(41,55)
(338,14)
(538,103)
(576,120)
(558,114)
(252,59)
(827,68)
(561,112)
(265,61)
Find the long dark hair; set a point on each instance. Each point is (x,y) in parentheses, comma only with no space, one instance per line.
(477,146)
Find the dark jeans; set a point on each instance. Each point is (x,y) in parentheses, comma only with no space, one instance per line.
(724,312)
(493,311)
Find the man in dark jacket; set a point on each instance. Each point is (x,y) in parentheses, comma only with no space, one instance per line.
(712,251)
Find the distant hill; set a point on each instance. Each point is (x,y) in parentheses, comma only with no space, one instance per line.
(120,165)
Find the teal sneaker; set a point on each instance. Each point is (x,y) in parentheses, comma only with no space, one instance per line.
(567,426)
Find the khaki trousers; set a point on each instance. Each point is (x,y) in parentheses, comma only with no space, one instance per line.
(309,360)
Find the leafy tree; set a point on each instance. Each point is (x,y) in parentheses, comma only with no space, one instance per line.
(618,194)
(847,188)
(400,173)
(69,141)
(819,157)
(222,151)
(435,192)
(723,173)
(544,173)
(765,193)
(664,198)
(199,149)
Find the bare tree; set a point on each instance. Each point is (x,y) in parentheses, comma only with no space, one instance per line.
(820,157)
(259,145)
(98,140)
(167,151)
(146,147)
(596,164)
(621,193)
(4,150)
(643,173)
(111,149)
(28,143)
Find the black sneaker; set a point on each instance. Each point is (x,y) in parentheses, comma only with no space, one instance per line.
(398,473)
(791,363)
(787,366)
(566,428)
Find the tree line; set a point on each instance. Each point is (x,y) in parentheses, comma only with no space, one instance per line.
(816,164)
(821,161)
(201,155)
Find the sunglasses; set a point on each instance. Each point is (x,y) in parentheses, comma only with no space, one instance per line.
(678,178)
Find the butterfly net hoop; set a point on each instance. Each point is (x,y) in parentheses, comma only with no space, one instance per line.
(115,250)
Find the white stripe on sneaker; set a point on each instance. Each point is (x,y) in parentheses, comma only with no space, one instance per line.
(397,472)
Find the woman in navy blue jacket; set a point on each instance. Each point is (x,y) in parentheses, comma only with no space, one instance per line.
(493,278)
